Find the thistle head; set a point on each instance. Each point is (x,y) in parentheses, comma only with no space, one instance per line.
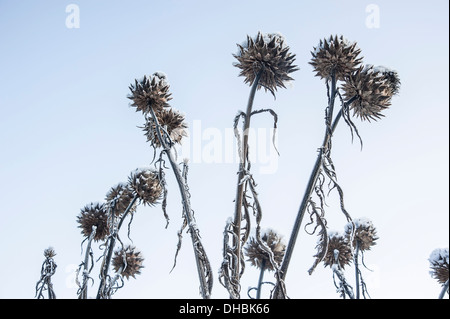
(339,250)
(94,215)
(371,90)
(169,120)
(266,54)
(119,198)
(128,262)
(335,55)
(439,264)
(150,92)
(49,252)
(365,233)
(146,185)
(258,256)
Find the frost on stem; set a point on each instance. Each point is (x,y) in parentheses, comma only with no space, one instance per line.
(48,269)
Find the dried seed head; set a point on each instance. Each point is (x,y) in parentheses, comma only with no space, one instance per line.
(119,198)
(439,261)
(335,54)
(128,262)
(152,91)
(338,246)
(94,214)
(372,90)
(170,120)
(146,185)
(266,53)
(365,233)
(391,77)
(257,255)
(49,252)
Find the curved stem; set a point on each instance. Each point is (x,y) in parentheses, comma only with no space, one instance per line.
(240,186)
(309,190)
(204,287)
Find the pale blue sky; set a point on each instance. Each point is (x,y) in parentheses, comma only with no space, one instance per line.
(67,134)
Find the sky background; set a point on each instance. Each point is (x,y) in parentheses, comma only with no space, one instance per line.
(68,134)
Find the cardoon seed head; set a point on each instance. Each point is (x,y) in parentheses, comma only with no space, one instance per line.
(338,245)
(146,185)
(257,255)
(128,261)
(391,77)
(49,252)
(372,90)
(152,91)
(439,264)
(170,120)
(266,53)
(335,54)
(119,198)
(365,233)
(94,214)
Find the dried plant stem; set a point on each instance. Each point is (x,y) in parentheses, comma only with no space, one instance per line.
(260,281)
(357,272)
(107,259)
(240,186)
(83,288)
(311,183)
(444,290)
(203,266)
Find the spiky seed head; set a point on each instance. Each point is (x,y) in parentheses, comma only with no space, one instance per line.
(269,54)
(335,54)
(365,233)
(151,91)
(119,198)
(170,120)
(372,90)
(94,214)
(49,252)
(338,245)
(146,185)
(128,261)
(257,255)
(439,264)
(391,77)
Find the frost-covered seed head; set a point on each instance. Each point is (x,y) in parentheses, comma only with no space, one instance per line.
(391,77)
(172,121)
(146,185)
(372,90)
(266,53)
(128,261)
(49,252)
(439,264)
(338,244)
(256,255)
(152,91)
(337,55)
(365,233)
(94,214)
(120,196)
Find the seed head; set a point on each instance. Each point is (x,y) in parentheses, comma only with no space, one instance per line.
(439,264)
(119,198)
(268,54)
(335,54)
(94,214)
(170,120)
(257,255)
(372,90)
(146,185)
(365,233)
(152,91)
(128,262)
(338,245)
(49,252)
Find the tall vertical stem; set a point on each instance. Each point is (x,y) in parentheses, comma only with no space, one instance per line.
(357,269)
(240,186)
(260,281)
(186,207)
